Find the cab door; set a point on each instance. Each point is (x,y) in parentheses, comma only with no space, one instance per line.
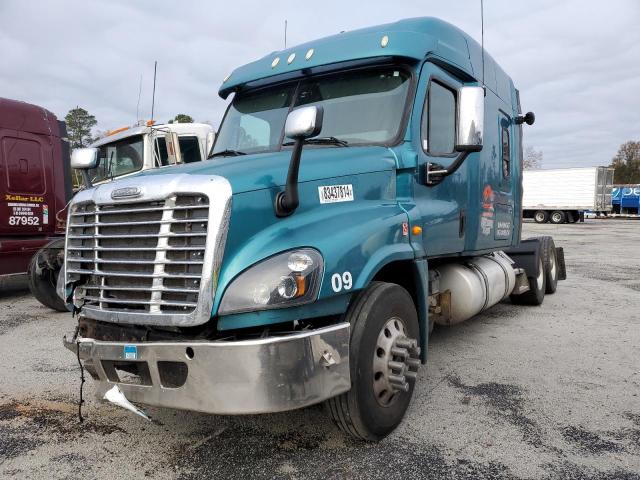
(443,206)
(27,206)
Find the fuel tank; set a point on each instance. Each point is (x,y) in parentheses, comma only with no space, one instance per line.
(475,285)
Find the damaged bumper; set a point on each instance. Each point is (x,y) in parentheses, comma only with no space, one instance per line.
(223,377)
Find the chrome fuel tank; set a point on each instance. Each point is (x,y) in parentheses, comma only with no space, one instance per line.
(474,285)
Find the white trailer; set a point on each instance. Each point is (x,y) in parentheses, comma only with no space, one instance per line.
(563,194)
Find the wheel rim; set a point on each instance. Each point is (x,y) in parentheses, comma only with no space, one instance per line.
(556,217)
(539,217)
(395,360)
(540,278)
(552,266)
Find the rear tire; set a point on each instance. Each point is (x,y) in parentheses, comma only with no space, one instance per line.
(537,287)
(541,216)
(557,217)
(550,261)
(381,315)
(42,283)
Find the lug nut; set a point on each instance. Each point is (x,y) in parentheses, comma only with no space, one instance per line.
(411,375)
(406,343)
(399,352)
(397,366)
(412,362)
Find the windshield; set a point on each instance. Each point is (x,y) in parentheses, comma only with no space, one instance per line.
(119,158)
(360,108)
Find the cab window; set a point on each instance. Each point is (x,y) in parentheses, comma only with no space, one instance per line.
(438,128)
(190,149)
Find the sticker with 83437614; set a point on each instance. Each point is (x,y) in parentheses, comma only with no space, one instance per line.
(336,193)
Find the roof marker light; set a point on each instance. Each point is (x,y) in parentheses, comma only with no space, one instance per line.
(291,58)
(309,54)
(226,78)
(385,41)
(275,62)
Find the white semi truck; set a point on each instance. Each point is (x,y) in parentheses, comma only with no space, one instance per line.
(562,195)
(122,152)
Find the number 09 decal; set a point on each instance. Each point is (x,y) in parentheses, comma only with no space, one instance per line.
(341,281)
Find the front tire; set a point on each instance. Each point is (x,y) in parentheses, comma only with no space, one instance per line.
(42,283)
(384,358)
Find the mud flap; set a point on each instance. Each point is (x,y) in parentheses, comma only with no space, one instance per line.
(562,269)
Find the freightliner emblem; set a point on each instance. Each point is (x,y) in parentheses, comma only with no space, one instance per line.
(126,192)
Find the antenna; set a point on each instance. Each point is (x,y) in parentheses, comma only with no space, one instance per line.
(482,40)
(138,104)
(153,98)
(285,34)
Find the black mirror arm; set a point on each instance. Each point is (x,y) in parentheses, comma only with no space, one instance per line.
(286,202)
(435,173)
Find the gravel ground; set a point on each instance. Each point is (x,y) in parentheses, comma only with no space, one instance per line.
(519,392)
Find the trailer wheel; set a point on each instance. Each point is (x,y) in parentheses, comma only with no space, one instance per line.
(384,359)
(537,287)
(42,283)
(550,260)
(557,217)
(541,216)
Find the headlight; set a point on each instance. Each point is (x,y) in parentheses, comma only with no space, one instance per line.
(284,280)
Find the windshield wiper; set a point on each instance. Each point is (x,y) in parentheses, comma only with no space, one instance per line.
(228,153)
(322,141)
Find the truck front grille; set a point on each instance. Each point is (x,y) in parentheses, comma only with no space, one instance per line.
(144,257)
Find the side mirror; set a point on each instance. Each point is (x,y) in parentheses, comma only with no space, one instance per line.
(470,119)
(84,158)
(304,122)
(527,118)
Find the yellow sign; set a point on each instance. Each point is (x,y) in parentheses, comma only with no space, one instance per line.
(22,198)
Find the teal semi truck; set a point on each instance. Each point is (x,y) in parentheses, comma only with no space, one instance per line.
(361,188)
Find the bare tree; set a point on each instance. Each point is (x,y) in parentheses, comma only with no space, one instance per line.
(532,158)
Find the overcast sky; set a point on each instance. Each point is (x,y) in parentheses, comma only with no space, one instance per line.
(576,62)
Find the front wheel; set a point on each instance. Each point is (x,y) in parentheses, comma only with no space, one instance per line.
(42,283)
(384,358)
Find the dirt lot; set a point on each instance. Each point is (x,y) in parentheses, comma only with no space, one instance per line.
(540,392)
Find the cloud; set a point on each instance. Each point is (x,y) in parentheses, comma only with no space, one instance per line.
(575,62)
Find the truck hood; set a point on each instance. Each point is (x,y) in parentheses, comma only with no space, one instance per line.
(266,170)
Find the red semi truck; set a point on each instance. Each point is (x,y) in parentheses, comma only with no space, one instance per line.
(35,183)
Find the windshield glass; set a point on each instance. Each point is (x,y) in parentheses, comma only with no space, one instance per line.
(360,107)
(119,158)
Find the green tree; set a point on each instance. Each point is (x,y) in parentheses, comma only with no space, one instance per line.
(627,163)
(79,125)
(182,118)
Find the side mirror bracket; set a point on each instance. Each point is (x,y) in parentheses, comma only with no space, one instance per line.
(302,123)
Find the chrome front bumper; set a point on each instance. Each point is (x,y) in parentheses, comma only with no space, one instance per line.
(225,377)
